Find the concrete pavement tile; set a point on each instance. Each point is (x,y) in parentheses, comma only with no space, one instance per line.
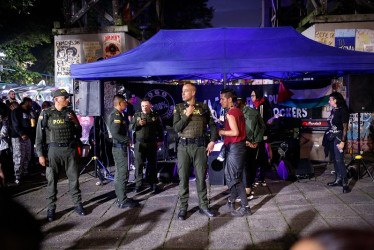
(121,221)
(229,240)
(97,239)
(355,222)
(81,222)
(364,209)
(143,240)
(306,224)
(292,210)
(268,224)
(156,225)
(328,210)
(325,199)
(61,239)
(356,197)
(272,240)
(186,239)
(233,224)
(190,224)
(148,214)
(295,198)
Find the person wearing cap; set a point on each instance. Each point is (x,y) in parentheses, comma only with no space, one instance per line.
(61,130)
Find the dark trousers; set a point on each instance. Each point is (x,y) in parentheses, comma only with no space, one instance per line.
(234,163)
(145,151)
(121,177)
(187,155)
(62,158)
(338,158)
(250,167)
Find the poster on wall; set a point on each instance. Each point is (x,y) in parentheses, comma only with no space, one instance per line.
(64,83)
(92,51)
(112,45)
(364,37)
(345,38)
(67,52)
(326,37)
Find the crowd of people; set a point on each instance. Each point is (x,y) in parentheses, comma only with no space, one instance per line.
(55,131)
(17,132)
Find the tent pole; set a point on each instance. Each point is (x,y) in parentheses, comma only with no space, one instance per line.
(224,80)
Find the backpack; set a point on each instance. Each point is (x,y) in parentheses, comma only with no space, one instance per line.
(254,124)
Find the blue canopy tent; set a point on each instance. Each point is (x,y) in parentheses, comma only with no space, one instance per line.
(267,53)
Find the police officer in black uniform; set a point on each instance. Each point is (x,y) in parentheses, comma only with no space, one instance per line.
(190,122)
(148,136)
(62,131)
(121,141)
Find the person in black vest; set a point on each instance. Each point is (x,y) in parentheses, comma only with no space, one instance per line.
(61,130)
(148,136)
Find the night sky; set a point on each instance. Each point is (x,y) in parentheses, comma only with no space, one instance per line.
(236,13)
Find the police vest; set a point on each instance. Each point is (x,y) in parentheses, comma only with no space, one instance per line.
(60,130)
(198,121)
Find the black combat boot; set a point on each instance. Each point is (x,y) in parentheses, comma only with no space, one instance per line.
(337,182)
(242,211)
(345,186)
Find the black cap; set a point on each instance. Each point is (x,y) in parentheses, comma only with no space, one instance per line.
(61,92)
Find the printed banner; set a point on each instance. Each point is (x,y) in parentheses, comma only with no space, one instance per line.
(363,37)
(326,37)
(67,52)
(112,45)
(345,39)
(92,51)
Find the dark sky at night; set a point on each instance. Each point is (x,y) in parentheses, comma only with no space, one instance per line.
(236,13)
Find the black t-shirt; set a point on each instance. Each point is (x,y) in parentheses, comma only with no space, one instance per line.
(337,118)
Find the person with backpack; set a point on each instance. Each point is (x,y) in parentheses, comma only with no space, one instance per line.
(255,128)
(264,155)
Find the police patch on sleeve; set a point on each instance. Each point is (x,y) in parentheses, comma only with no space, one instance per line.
(117,121)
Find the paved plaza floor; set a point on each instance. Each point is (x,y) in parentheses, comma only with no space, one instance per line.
(281,212)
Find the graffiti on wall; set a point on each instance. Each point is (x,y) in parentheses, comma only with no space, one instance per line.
(366,143)
(67,53)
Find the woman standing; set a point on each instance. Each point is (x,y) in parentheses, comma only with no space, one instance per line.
(336,137)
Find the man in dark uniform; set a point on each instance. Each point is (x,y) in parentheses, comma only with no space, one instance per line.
(61,130)
(118,129)
(148,136)
(190,122)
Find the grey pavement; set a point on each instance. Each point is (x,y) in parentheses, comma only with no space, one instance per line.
(281,213)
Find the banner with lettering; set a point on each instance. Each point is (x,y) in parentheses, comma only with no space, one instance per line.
(165,97)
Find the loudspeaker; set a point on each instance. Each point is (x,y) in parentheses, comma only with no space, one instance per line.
(304,169)
(216,169)
(311,146)
(90,98)
(360,91)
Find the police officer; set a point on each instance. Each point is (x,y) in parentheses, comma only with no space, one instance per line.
(62,131)
(148,136)
(118,129)
(190,122)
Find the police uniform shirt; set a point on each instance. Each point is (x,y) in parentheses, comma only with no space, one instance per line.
(117,127)
(151,130)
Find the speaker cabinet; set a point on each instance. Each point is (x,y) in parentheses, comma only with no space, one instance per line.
(304,168)
(90,98)
(311,146)
(361,93)
(216,169)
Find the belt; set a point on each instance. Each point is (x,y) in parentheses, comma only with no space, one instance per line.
(55,144)
(199,141)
